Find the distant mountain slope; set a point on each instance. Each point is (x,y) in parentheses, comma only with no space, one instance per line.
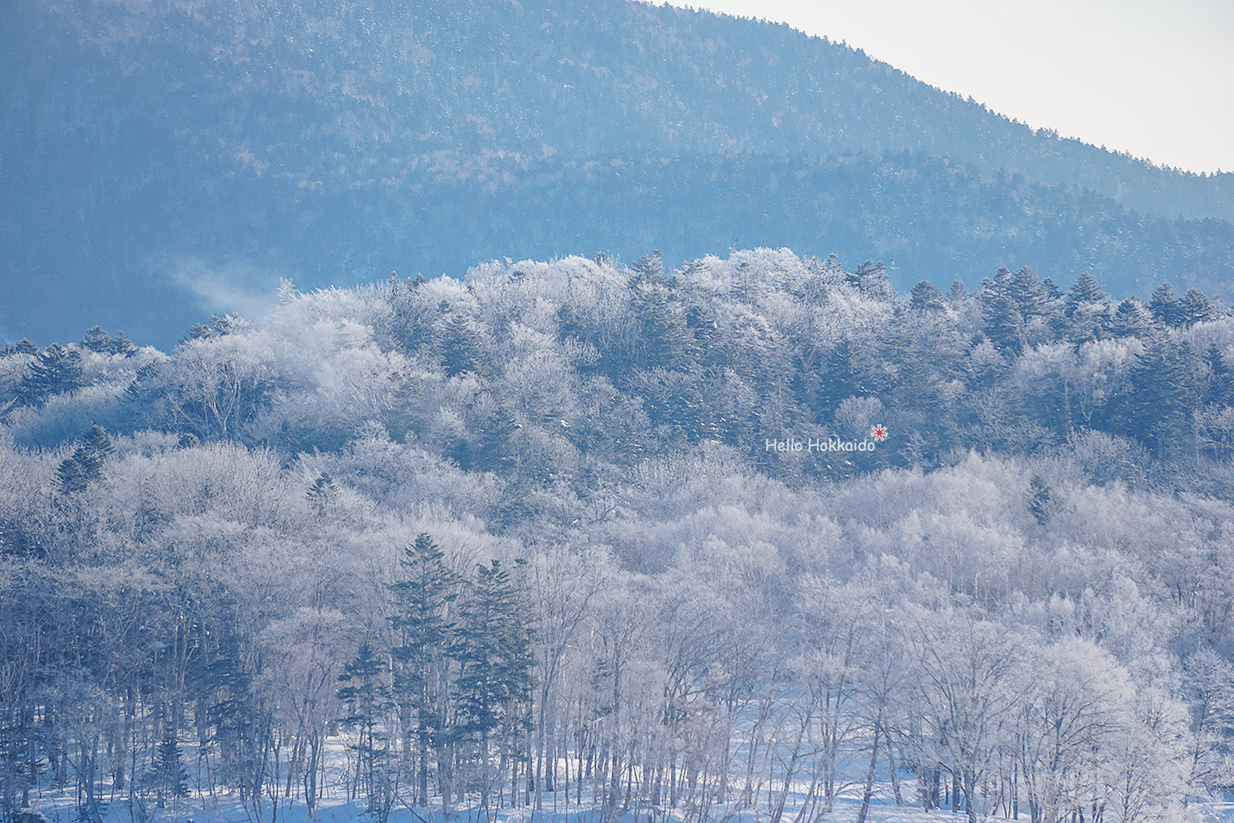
(137,136)
(337,93)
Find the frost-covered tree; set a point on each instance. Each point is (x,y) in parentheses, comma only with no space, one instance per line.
(426,627)
(53,371)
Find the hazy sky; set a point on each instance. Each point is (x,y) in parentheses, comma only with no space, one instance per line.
(1151,77)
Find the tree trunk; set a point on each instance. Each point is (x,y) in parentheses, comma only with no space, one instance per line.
(970,788)
(869,787)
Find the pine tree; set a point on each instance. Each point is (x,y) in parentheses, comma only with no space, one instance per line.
(230,713)
(367,699)
(1220,385)
(75,473)
(1040,500)
(1131,319)
(665,336)
(97,340)
(842,377)
(426,630)
(459,345)
(97,442)
(1086,310)
(321,492)
(1084,291)
(86,463)
(649,270)
(1003,323)
(957,294)
(121,344)
(1194,307)
(1164,306)
(495,658)
(1026,293)
(169,776)
(495,444)
(1050,291)
(198,331)
(872,280)
(57,370)
(1155,408)
(926,297)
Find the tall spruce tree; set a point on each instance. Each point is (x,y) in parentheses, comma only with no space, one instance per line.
(169,776)
(1155,408)
(1086,310)
(495,657)
(367,698)
(665,337)
(1219,387)
(96,340)
(1194,307)
(55,371)
(426,630)
(86,463)
(459,344)
(1164,306)
(926,297)
(1004,325)
(1131,319)
(1027,294)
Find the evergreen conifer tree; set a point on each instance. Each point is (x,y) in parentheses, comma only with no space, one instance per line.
(1131,319)
(320,493)
(121,344)
(1086,310)
(1026,293)
(495,657)
(1040,499)
(665,336)
(170,778)
(957,294)
(459,345)
(1155,409)
(1194,307)
(1164,306)
(1220,386)
(86,463)
(57,370)
(426,629)
(367,698)
(1050,291)
(1083,291)
(873,280)
(842,377)
(97,340)
(1004,325)
(926,297)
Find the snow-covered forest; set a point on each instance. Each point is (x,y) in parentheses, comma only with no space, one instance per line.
(541,540)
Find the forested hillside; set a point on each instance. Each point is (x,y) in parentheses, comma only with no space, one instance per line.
(189,153)
(544,537)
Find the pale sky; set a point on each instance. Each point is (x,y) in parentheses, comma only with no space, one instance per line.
(1151,77)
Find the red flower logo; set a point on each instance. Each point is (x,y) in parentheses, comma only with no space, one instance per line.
(879,433)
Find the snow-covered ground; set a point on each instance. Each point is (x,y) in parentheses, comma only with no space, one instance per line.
(334,807)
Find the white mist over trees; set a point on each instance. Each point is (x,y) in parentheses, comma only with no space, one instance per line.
(518,541)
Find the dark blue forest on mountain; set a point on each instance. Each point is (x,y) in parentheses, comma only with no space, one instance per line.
(333,143)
